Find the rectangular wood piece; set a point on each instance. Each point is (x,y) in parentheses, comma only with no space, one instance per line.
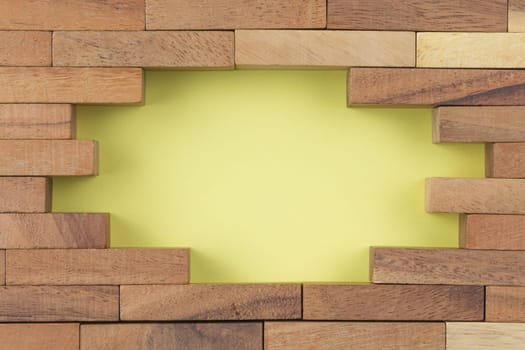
(25,194)
(22,48)
(485,336)
(49,336)
(499,232)
(505,160)
(516,15)
(505,304)
(2,267)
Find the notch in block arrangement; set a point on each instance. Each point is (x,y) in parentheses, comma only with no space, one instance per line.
(498,232)
(505,160)
(25,194)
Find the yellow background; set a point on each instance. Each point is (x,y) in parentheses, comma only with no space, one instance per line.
(266,175)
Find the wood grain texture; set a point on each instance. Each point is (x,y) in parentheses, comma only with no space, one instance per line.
(54,230)
(71,85)
(235,14)
(419,15)
(22,48)
(207,302)
(475,196)
(58,304)
(164,336)
(321,48)
(97,266)
(152,49)
(435,87)
(499,232)
(2,267)
(25,194)
(445,266)
(353,335)
(48,157)
(485,336)
(478,124)
(40,336)
(72,15)
(369,302)
(505,304)
(505,160)
(516,16)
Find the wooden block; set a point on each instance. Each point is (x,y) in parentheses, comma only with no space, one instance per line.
(443,266)
(58,304)
(2,267)
(485,336)
(40,336)
(202,336)
(505,304)
(475,196)
(48,157)
(321,48)
(207,302)
(434,87)
(72,15)
(162,49)
(97,266)
(71,85)
(369,302)
(54,230)
(21,48)
(499,232)
(353,335)
(505,160)
(516,16)
(25,194)
(235,14)
(479,124)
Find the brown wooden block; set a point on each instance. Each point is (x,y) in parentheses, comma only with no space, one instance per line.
(72,15)
(207,302)
(516,16)
(71,85)
(153,49)
(58,304)
(40,336)
(444,266)
(2,267)
(235,14)
(353,335)
(97,266)
(500,232)
(485,336)
(505,160)
(369,302)
(25,194)
(21,48)
(505,304)
(475,196)
(419,15)
(434,87)
(54,230)
(479,124)
(321,48)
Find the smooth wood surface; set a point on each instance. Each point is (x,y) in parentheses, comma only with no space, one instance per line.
(516,15)
(353,335)
(164,336)
(370,302)
(58,303)
(499,232)
(54,230)
(436,87)
(475,196)
(446,266)
(505,160)
(505,304)
(48,157)
(485,336)
(478,124)
(211,302)
(72,15)
(22,48)
(40,336)
(71,85)
(25,194)
(152,49)
(235,14)
(97,266)
(321,48)
(2,267)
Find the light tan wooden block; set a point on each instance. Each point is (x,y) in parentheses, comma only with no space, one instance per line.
(54,230)
(505,304)
(235,14)
(475,196)
(485,336)
(500,232)
(40,336)
(58,303)
(71,85)
(505,160)
(516,16)
(2,267)
(25,194)
(97,266)
(445,266)
(211,302)
(353,335)
(72,15)
(152,49)
(478,124)
(321,48)
(22,48)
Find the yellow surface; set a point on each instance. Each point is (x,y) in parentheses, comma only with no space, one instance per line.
(266,175)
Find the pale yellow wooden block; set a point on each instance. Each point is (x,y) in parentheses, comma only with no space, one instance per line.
(485,336)
(516,15)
